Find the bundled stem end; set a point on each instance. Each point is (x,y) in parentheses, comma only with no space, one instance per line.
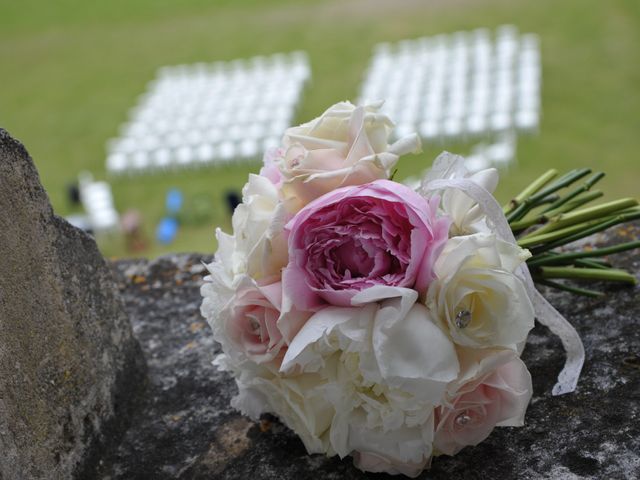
(609,274)
(544,219)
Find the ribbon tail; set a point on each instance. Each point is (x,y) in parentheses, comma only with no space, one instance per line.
(574,350)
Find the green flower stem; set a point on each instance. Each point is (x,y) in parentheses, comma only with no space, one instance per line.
(598,252)
(561,221)
(542,258)
(532,188)
(577,263)
(546,200)
(562,182)
(598,261)
(586,214)
(610,274)
(520,211)
(589,264)
(620,218)
(572,205)
(586,186)
(569,288)
(545,217)
(522,224)
(535,239)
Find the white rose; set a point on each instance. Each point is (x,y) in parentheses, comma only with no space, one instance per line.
(346,145)
(466,215)
(476,295)
(259,246)
(385,367)
(298,401)
(256,251)
(219,286)
(373,462)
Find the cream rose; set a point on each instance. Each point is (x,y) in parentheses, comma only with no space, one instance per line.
(346,145)
(260,249)
(477,297)
(256,249)
(466,215)
(374,462)
(398,344)
(298,401)
(220,285)
(385,364)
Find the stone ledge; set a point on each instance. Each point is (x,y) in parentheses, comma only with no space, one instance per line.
(69,364)
(187,429)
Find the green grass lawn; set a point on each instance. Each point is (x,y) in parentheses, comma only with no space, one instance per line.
(72,69)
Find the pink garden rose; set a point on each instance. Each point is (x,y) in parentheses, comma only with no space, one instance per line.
(497,397)
(380,233)
(251,323)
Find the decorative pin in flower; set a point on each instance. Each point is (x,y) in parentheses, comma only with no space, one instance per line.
(384,323)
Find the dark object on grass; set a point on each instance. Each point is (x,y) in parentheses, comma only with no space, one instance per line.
(233,199)
(73,194)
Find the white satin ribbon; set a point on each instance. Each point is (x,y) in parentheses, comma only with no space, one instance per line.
(545,313)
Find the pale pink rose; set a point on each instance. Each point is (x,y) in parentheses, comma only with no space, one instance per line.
(270,167)
(381,233)
(373,462)
(251,321)
(346,145)
(498,397)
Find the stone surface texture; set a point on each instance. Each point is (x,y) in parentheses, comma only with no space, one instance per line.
(68,359)
(187,429)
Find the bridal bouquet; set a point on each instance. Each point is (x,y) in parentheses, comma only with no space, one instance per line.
(375,320)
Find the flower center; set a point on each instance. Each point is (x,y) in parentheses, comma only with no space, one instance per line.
(463,419)
(463,318)
(358,243)
(352,260)
(296,161)
(255,325)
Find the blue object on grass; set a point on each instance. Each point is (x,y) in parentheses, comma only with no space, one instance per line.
(173,201)
(167,230)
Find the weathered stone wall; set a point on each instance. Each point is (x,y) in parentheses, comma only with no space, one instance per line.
(188,430)
(68,359)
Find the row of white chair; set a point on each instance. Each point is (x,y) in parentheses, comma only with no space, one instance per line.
(188,156)
(503,34)
(276,61)
(97,201)
(461,85)
(207,114)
